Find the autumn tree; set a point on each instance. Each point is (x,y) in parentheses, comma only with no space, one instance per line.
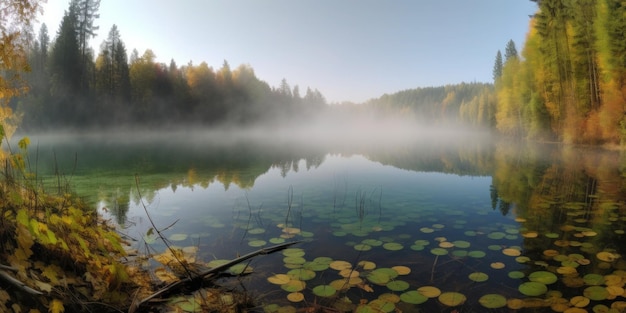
(15,17)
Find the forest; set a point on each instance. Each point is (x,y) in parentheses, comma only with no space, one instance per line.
(568,84)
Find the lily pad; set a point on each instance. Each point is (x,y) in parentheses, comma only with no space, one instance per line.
(516,274)
(532,288)
(452,298)
(295,296)
(324,290)
(478,276)
(402,270)
(301,274)
(492,301)
(293,285)
(413,297)
(429,291)
(596,293)
(340,265)
(393,246)
(279,279)
(543,277)
(398,285)
(439,251)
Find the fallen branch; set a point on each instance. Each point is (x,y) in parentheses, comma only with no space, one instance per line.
(15,282)
(172,287)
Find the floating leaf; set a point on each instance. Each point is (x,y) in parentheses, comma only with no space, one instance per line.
(413,297)
(398,285)
(366,265)
(543,277)
(579,301)
(452,298)
(607,256)
(477,254)
(378,277)
(516,274)
(497,265)
(593,279)
(295,296)
(402,270)
(340,265)
(301,274)
(393,246)
(279,279)
(478,276)
(324,290)
(492,301)
(511,252)
(461,244)
(429,291)
(380,305)
(439,251)
(293,285)
(257,243)
(362,247)
(596,293)
(532,288)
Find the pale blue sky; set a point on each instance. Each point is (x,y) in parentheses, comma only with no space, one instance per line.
(348,49)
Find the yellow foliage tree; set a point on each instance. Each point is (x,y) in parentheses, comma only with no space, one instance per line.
(15,17)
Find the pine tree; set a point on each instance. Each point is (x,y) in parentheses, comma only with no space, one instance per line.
(497,67)
(510,50)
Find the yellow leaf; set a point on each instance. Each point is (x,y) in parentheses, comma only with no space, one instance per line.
(43,286)
(56,306)
(51,272)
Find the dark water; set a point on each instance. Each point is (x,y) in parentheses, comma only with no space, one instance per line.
(466,214)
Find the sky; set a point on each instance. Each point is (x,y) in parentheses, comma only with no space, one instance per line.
(350,50)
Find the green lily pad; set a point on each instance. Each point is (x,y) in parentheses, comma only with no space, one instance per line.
(516,274)
(543,277)
(293,285)
(492,301)
(593,279)
(439,251)
(393,246)
(372,242)
(398,285)
(413,297)
(362,247)
(324,290)
(378,277)
(496,235)
(256,231)
(452,298)
(478,277)
(477,254)
(532,288)
(257,243)
(461,244)
(596,293)
(301,274)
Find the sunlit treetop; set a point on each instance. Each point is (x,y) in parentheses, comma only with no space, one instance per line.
(16,16)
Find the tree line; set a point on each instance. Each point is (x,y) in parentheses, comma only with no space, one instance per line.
(569,84)
(73,87)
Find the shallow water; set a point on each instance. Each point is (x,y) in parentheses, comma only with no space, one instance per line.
(471,216)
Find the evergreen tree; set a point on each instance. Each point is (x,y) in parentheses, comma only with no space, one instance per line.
(87,12)
(497,67)
(510,50)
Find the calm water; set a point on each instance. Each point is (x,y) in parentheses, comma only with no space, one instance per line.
(469,216)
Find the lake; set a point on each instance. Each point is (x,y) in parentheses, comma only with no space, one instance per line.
(419,223)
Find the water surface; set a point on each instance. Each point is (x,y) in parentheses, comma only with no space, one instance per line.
(469,215)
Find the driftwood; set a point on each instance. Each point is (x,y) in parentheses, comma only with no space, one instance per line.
(15,282)
(174,286)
